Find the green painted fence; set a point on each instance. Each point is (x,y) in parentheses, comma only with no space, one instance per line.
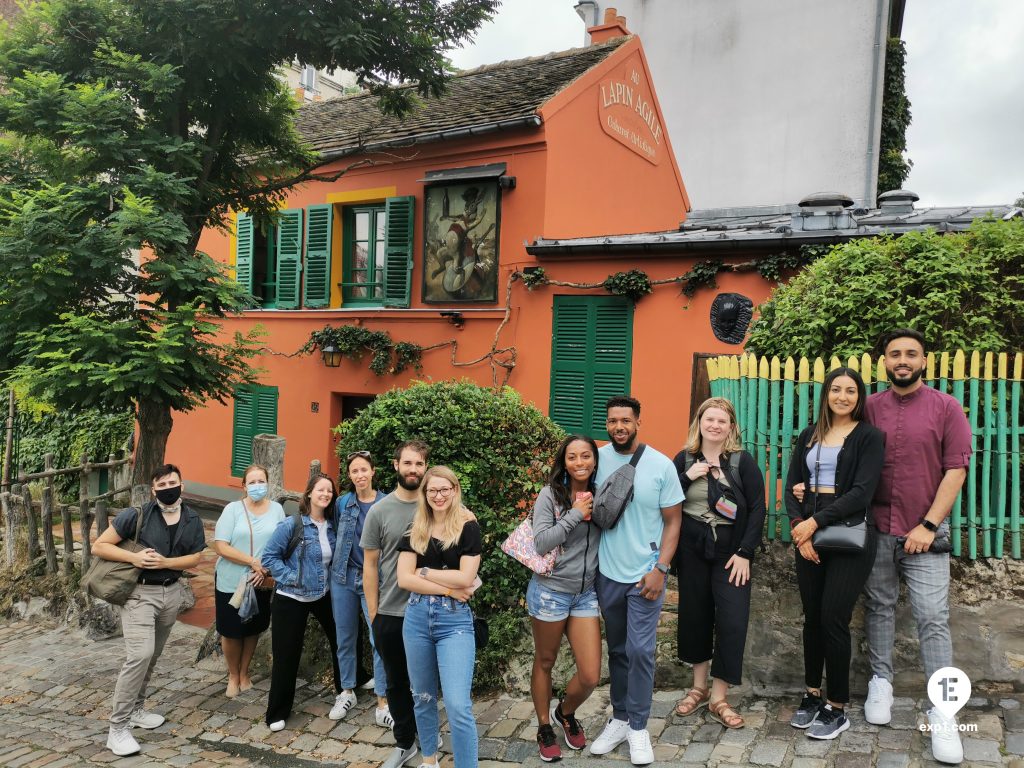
(775,399)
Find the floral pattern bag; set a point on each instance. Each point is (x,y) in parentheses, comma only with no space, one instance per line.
(520,546)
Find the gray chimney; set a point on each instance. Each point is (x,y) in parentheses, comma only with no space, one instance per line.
(824,210)
(897,201)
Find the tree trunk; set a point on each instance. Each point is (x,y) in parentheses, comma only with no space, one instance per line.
(154,428)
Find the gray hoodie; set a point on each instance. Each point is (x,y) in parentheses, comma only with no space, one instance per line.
(576,567)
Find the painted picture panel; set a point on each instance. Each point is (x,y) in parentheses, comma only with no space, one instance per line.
(461,224)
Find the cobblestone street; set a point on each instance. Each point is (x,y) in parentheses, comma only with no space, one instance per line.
(55,688)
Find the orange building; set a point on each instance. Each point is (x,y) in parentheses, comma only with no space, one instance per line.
(421,235)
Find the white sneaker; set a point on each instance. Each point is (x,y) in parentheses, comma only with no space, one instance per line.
(616,732)
(368,685)
(640,750)
(946,745)
(343,702)
(149,720)
(400,757)
(277,725)
(121,742)
(878,706)
(383,717)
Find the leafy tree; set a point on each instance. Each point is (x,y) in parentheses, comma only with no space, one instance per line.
(1019,202)
(893,165)
(501,450)
(129,126)
(963,291)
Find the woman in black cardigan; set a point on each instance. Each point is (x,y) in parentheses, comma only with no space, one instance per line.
(836,461)
(723,518)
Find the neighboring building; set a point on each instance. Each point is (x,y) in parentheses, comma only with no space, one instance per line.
(312,84)
(420,239)
(767,102)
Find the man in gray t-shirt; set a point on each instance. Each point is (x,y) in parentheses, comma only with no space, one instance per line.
(386,523)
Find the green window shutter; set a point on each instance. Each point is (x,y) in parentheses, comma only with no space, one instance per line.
(243,251)
(317,286)
(289,258)
(255,414)
(241,435)
(398,243)
(591,358)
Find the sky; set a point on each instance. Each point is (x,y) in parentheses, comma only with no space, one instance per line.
(965,81)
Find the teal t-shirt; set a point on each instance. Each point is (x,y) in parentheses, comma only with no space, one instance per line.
(232,528)
(630,549)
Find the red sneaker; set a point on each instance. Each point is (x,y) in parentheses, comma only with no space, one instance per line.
(550,752)
(571,728)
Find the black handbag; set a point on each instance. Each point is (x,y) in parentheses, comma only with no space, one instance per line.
(481,632)
(843,536)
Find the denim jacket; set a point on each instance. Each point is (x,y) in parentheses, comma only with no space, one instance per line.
(346,517)
(303,573)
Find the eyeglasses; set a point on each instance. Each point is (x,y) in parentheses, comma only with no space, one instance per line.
(358,455)
(439,491)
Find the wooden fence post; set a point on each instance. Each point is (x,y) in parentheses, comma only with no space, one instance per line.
(314,468)
(102,517)
(7,506)
(69,538)
(32,539)
(268,451)
(46,513)
(84,513)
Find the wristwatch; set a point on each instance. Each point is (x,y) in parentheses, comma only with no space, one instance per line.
(929,525)
(662,567)
(423,572)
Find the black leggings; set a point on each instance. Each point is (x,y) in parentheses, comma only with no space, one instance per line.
(713,614)
(287,633)
(828,593)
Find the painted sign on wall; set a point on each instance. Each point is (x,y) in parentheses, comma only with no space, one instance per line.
(628,113)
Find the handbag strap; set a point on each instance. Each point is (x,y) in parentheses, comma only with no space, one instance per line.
(245,511)
(138,523)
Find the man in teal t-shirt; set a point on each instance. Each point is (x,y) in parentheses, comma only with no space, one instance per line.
(633,562)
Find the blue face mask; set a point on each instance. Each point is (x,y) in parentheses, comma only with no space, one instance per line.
(256,491)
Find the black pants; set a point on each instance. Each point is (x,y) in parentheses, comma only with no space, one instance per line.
(387,636)
(713,614)
(828,593)
(287,633)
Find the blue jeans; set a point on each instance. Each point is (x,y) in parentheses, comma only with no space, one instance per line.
(347,602)
(439,643)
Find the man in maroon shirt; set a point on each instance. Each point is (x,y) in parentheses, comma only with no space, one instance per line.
(928,449)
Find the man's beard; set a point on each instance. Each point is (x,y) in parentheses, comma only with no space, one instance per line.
(904,382)
(410,485)
(626,447)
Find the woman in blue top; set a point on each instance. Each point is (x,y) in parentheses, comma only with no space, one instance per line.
(243,529)
(302,581)
(347,586)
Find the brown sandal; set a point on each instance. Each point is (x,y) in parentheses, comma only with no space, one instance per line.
(692,701)
(717,712)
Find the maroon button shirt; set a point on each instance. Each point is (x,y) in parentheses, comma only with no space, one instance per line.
(926,434)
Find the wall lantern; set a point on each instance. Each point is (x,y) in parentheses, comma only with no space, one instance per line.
(331,355)
(455,318)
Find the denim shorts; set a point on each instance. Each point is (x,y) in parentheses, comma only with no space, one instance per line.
(546,604)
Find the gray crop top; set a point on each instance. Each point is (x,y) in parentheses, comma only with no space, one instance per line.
(826,477)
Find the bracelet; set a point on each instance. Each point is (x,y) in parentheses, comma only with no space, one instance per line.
(448,593)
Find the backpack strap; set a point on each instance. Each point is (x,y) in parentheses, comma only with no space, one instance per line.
(296,536)
(636,455)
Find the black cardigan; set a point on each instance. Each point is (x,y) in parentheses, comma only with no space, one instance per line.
(858,467)
(750,506)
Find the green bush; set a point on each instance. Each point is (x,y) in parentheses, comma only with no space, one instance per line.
(962,291)
(501,449)
(67,435)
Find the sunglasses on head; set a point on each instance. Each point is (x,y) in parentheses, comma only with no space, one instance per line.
(358,455)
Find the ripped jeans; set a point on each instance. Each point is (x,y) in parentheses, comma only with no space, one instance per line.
(439,644)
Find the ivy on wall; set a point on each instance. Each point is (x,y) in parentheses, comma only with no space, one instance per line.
(893,165)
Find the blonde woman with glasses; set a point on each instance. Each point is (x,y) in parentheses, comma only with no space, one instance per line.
(723,515)
(438,563)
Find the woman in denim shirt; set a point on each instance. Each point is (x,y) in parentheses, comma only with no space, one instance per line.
(347,596)
(438,563)
(302,583)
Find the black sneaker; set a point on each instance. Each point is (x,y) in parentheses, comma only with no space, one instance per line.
(807,712)
(550,752)
(829,723)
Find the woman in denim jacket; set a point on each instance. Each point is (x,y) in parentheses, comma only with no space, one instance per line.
(437,563)
(347,597)
(302,584)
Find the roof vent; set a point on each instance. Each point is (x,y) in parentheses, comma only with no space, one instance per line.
(824,210)
(898,201)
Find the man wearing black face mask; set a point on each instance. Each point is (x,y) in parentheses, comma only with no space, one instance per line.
(172,537)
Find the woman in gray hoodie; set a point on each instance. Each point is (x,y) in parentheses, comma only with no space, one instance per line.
(564,602)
